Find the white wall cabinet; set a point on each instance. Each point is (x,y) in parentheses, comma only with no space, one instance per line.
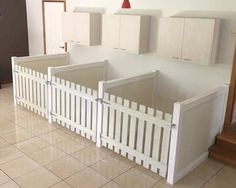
(128,33)
(191,40)
(83,28)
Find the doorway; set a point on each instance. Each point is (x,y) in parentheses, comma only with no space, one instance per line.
(52,26)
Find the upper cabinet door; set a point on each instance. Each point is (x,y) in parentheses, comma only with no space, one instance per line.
(198,42)
(82,28)
(68,27)
(130,33)
(170,38)
(111,31)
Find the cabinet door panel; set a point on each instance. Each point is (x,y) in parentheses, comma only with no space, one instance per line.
(130,33)
(198,40)
(82,28)
(68,27)
(170,38)
(111,31)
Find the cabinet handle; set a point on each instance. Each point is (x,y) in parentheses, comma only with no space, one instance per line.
(116,48)
(62,47)
(174,57)
(187,59)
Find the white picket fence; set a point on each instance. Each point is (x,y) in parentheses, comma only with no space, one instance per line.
(120,122)
(31,89)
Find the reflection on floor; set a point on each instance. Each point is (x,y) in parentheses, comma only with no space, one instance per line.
(34,153)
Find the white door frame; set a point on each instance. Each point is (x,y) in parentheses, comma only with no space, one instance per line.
(44,28)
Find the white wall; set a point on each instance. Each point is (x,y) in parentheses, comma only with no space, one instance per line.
(177,81)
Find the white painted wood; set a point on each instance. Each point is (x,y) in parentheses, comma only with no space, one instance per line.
(53,99)
(111,122)
(58,95)
(94,113)
(198,41)
(118,124)
(53,27)
(105,124)
(68,113)
(99,113)
(50,96)
(129,33)
(170,38)
(83,110)
(72,105)
(14,80)
(125,127)
(111,31)
(133,128)
(78,107)
(31,90)
(84,28)
(140,134)
(89,112)
(148,137)
(63,100)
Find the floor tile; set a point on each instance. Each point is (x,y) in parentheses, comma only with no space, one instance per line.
(161,185)
(90,155)
(47,155)
(32,145)
(61,184)
(17,136)
(206,170)
(3,178)
(9,153)
(188,182)
(87,178)
(65,167)
(224,178)
(39,129)
(3,143)
(135,178)
(10,184)
(71,145)
(38,178)
(7,128)
(54,136)
(111,185)
(111,167)
(19,166)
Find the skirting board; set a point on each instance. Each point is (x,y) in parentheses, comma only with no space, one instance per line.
(189,168)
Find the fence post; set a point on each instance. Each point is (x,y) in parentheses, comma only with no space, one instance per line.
(100,113)
(13,64)
(49,83)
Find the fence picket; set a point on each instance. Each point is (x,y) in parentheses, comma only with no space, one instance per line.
(105,119)
(68,104)
(133,130)
(58,94)
(118,124)
(140,134)
(125,127)
(72,106)
(111,122)
(148,137)
(94,114)
(88,113)
(83,111)
(78,109)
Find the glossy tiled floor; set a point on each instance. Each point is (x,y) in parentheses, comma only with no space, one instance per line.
(35,154)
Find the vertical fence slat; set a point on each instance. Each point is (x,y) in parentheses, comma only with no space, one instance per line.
(111,122)
(83,110)
(58,110)
(78,108)
(148,137)
(73,105)
(30,90)
(140,134)
(63,101)
(68,104)
(88,113)
(94,114)
(132,131)
(27,88)
(42,94)
(53,98)
(125,127)
(38,93)
(105,119)
(118,122)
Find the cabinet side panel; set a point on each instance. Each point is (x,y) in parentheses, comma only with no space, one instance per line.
(144,34)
